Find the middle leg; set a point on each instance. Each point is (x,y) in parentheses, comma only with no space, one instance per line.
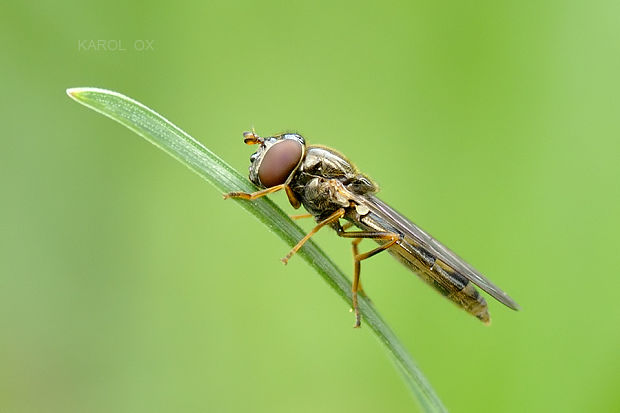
(330,219)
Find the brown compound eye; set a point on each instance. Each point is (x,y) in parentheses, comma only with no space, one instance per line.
(279,162)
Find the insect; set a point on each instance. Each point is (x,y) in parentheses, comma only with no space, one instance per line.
(331,189)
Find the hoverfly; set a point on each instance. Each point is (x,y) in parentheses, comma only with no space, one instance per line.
(332,189)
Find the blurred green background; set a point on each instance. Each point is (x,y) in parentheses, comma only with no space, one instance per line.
(128,285)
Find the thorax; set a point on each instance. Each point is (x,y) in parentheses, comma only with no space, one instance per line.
(325,179)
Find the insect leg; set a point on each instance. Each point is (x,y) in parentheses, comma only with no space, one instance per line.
(292,199)
(255,195)
(301,216)
(289,194)
(332,218)
(354,244)
(391,239)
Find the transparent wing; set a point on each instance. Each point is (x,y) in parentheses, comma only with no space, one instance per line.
(434,247)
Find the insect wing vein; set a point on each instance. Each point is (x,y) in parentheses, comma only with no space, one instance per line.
(434,247)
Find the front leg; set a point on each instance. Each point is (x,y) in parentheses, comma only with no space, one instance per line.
(254,195)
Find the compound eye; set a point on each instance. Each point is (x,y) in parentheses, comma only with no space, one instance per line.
(279,162)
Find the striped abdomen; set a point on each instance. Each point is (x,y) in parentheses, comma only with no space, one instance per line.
(442,278)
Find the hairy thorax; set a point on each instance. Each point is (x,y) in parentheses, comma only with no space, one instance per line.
(319,177)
